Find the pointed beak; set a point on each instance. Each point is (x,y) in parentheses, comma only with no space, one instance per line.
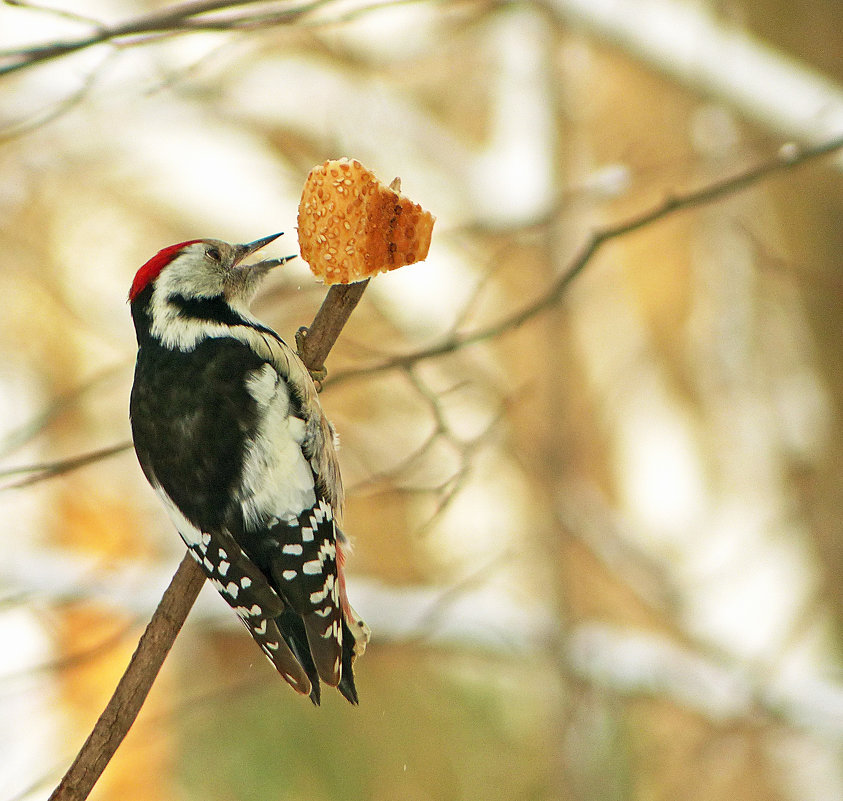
(243,251)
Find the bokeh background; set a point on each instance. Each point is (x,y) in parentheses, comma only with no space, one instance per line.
(600,550)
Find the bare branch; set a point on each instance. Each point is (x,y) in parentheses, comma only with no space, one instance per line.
(177,601)
(47,470)
(27,431)
(60,13)
(56,110)
(329,321)
(788,157)
(180,18)
(121,711)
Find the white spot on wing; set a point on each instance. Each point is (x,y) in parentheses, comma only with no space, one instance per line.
(317,597)
(312,568)
(222,568)
(327,550)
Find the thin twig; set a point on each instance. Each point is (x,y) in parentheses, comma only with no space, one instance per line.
(28,430)
(43,471)
(188,17)
(177,601)
(788,157)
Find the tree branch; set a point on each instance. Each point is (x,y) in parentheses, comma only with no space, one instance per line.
(789,156)
(178,599)
(329,321)
(45,470)
(187,17)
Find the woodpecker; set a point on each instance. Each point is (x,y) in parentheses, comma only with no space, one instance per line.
(229,431)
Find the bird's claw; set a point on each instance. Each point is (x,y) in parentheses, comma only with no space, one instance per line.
(318,375)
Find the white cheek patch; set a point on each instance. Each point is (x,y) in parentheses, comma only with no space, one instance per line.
(188,277)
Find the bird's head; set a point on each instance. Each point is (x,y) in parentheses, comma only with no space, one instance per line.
(205,269)
(197,289)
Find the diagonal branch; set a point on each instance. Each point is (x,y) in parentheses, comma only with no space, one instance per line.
(42,472)
(186,17)
(178,599)
(788,157)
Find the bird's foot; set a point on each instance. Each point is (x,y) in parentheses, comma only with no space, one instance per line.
(318,375)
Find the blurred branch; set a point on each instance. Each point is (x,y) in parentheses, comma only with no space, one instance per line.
(178,599)
(643,664)
(56,110)
(788,157)
(60,13)
(27,431)
(187,17)
(47,470)
(450,481)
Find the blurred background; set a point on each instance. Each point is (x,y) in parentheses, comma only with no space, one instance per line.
(599,544)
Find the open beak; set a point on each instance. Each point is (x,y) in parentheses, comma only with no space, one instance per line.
(243,251)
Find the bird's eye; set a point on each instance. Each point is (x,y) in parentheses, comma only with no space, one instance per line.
(213,253)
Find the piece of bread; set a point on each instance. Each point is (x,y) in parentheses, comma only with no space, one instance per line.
(351,225)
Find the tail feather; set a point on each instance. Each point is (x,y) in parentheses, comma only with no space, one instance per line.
(270,636)
(346,685)
(293,631)
(324,635)
(304,558)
